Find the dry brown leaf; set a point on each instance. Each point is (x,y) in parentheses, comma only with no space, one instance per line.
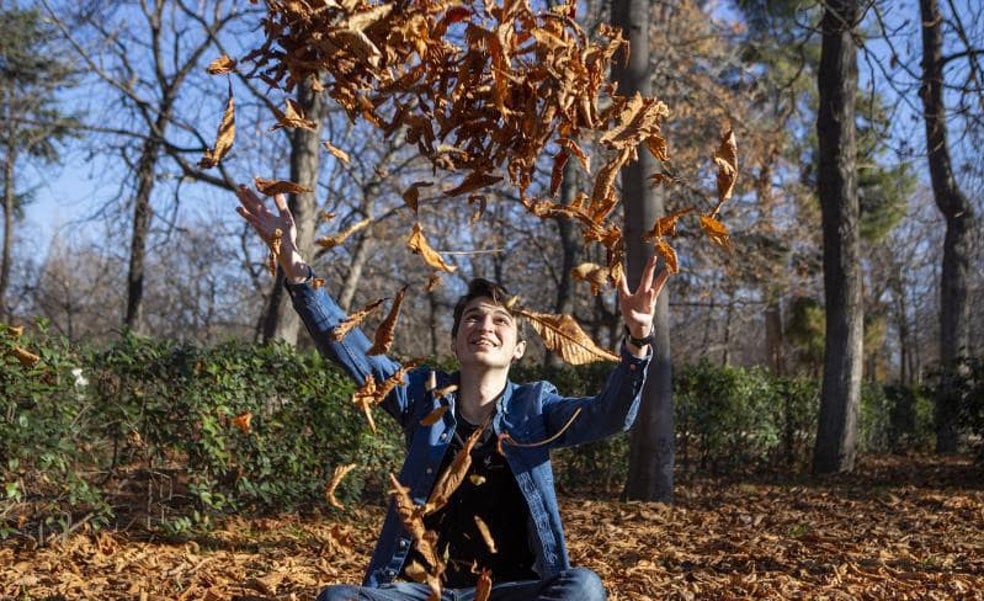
(222,65)
(269,187)
(716,231)
(354,319)
(445,390)
(293,117)
(386,332)
(329,242)
(418,245)
(668,254)
(25,357)
(726,159)
(242,421)
(483,587)
(483,529)
(562,335)
(475,180)
(454,475)
(336,478)
(434,416)
(666,225)
(225,136)
(596,275)
(337,152)
(412,194)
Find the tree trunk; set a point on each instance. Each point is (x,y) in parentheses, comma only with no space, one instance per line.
(651,453)
(280,321)
(8,230)
(953,204)
(570,245)
(841,388)
(134,320)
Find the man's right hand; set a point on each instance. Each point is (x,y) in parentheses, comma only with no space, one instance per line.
(266,223)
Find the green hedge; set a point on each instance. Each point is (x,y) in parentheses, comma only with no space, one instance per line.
(153,432)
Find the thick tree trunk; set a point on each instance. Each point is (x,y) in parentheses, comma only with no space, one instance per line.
(841,389)
(8,231)
(280,321)
(953,204)
(651,453)
(570,246)
(134,320)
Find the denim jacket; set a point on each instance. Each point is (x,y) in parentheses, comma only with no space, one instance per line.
(529,413)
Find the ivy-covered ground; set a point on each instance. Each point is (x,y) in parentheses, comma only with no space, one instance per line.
(898,528)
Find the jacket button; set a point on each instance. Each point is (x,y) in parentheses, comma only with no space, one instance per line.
(403,543)
(444,436)
(429,470)
(391,573)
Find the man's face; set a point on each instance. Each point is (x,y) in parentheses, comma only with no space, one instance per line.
(487,335)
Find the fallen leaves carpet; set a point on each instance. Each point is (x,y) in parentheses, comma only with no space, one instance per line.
(898,528)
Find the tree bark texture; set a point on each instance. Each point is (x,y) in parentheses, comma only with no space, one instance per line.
(8,230)
(281,322)
(651,453)
(843,358)
(958,213)
(146,166)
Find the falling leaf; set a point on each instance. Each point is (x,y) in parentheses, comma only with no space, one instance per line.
(269,187)
(372,393)
(15,331)
(337,152)
(483,587)
(716,231)
(354,319)
(434,416)
(452,477)
(25,357)
(445,390)
(596,275)
(668,254)
(562,335)
(726,159)
(412,194)
(666,225)
(222,65)
(433,281)
(418,245)
(336,478)
(483,529)
(475,180)
(225,136)
(293,117)
(329,242)
(385,333)
(242,421)
(476,479)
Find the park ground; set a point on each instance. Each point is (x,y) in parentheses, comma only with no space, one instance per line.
(897,528)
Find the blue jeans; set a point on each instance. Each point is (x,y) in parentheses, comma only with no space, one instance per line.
(575,584)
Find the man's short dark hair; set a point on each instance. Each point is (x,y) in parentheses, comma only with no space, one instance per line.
(497,293)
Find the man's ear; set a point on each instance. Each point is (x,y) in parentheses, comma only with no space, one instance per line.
(519,351)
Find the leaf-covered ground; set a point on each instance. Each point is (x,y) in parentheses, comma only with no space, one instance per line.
(899,528)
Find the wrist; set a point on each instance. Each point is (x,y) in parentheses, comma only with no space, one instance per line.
(640,341)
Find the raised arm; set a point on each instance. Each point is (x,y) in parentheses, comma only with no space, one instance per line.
(639,307)
(316,308)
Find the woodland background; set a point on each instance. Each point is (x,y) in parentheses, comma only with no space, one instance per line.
(145,306)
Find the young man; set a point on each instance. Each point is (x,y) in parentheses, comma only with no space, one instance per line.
(504,516)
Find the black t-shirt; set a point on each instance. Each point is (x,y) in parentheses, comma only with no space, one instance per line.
(489,492)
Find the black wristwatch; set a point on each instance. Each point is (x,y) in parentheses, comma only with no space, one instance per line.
(641,342)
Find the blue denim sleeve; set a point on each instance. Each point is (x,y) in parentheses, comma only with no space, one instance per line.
(611,411)
(321,314)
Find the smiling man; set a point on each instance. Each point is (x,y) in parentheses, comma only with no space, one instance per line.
(503,520)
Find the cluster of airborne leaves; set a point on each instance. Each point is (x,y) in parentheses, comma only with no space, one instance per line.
(484,90)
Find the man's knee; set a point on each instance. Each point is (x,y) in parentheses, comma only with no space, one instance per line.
(340,592)
(587,584)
